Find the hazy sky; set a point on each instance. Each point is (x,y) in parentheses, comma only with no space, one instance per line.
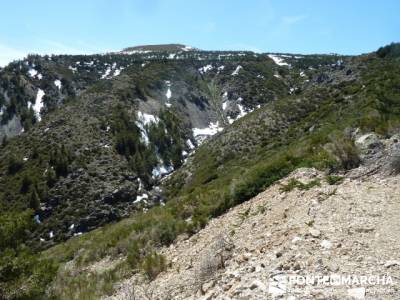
(297,26)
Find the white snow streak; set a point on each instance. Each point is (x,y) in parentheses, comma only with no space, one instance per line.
(190,144)
(187,48)
(57,83)
(32,72)
(212,129)
(143,120)
(37,107)
(162,170)
(206,68)
(106,73)
(140,198)
(168,94)
(147,118)
(278,60)
(236,72)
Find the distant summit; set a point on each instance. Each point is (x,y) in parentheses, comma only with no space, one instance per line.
(158,48)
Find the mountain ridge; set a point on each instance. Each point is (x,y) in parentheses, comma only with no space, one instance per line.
(159,48)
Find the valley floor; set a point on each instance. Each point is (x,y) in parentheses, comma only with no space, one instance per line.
(350,229)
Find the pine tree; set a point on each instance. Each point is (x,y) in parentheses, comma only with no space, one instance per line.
(14,165)
(34,201)
(26,183)
(51,177)
(60,160)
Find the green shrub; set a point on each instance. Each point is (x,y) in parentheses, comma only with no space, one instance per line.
(23,274)
(371,120)
(294,183)
(168,136)
(153,264)
(346,152)
(334,179)
(80,283)
(34,200)
(392,50)
(14,228)
(14,164)
(134,256)
(257,179)
(51,177)
(26,183)
(60,159)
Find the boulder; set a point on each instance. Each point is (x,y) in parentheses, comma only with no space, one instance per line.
(315,232)
(368,142)
(124,193)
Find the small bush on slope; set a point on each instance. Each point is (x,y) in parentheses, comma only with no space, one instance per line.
(294,183)
(23,274)
(334,179)
(153,264)
(346,152)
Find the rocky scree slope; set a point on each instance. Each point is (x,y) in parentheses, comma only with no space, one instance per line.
(316,227)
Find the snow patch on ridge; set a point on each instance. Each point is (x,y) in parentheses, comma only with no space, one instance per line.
(118,71)
(144,120)
(206,68)
(106,73)
(162,170)
(236,72)
(37,107)
(147,118)
(187,48)
(32,73)
(57,83)
(242,111)
(278,60)
(168,94)
(190,144)
(140,198)
(201,134)
(136,52)
(111,71)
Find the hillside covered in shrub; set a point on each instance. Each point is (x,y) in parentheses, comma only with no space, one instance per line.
(130,150)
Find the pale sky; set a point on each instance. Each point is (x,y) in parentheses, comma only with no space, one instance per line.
(297,26)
